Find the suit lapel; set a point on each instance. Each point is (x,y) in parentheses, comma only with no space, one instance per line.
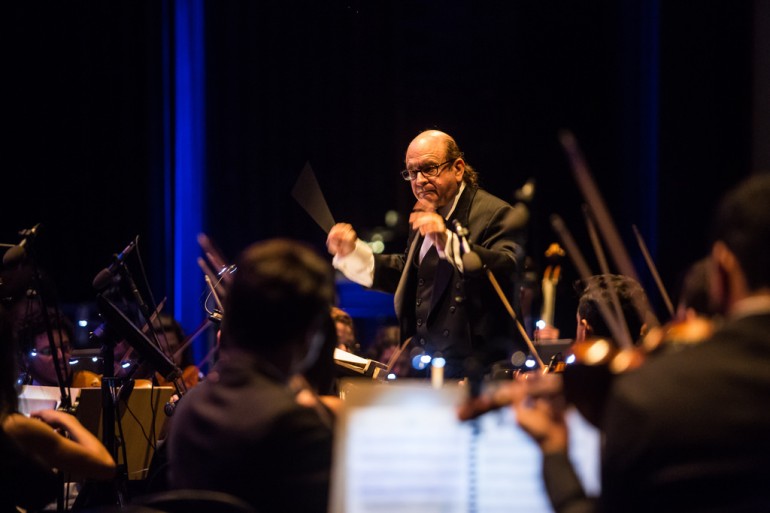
(462,211)
(445,270)
(398,297)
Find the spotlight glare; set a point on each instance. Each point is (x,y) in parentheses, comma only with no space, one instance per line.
(377,247)
(418,363)
(391,218)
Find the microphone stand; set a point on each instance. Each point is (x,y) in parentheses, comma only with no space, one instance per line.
(116,491)
(109,412)
(62,378)
(16,254)
(473,264)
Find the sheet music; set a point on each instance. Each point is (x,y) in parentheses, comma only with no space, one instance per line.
(38,397)
(401,448)
(142,417)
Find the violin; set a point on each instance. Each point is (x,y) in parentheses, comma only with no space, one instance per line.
(677,333)
(86,379)
(586,381)
(689,330)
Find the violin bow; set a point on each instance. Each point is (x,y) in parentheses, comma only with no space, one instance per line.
(396,355)
(593,197)
(521,329)
(605,269)
(654,271)
(146,331)
(620,335)
(195,334)
(600,213)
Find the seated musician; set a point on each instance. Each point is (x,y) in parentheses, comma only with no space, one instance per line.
(37,360)
(171,337)
(32,447)
(241,430)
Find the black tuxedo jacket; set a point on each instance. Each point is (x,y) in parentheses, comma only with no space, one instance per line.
(690,430)
(467,318)
(241,431)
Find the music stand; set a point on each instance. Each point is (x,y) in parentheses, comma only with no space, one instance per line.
(117,326)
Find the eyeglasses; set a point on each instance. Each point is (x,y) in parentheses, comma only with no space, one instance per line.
(46,350)
(432,170)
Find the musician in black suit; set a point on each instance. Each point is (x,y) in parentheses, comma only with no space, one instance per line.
(687,430)
(241,431)
(444,307)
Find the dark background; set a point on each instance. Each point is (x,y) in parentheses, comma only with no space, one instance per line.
(660,96)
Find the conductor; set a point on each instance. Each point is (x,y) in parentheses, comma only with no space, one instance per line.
(449,310)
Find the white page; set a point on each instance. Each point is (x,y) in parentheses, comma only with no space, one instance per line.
(399,447)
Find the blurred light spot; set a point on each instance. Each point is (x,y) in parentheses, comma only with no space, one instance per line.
(391,218)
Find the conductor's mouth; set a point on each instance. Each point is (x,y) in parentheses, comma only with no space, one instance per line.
(424,192)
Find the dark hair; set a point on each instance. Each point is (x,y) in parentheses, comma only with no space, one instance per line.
(470,177)
(321,373)
(385,337)
(277,293)
(598,290)
(743,223)
(33,325)
(694,288)
(166,322)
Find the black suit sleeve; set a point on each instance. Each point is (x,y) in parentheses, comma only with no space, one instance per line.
(563,486)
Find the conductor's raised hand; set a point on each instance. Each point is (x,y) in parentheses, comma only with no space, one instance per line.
(341,240)
(431,225)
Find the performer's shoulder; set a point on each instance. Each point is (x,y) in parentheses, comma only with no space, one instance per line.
(489,199)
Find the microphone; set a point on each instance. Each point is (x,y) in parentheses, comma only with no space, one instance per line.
(104,278)
(518,217)
(16,254)
(471,261)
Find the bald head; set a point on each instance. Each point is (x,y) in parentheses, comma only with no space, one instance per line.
(435,152)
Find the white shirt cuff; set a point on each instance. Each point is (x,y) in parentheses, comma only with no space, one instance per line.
(358,266)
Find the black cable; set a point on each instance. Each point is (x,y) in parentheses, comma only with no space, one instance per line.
(119,421)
